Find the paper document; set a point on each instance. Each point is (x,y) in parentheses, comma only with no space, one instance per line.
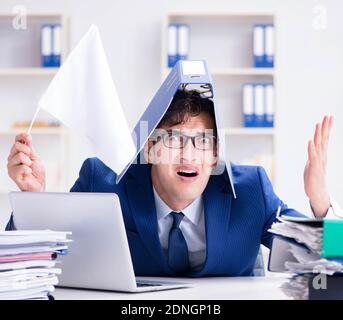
(26,284)
(83,97)
(26,237)
(299,246)
(27,262)
(306,234)
(30,249)
(297,249)
(31,256)
(37,272)
(40,292)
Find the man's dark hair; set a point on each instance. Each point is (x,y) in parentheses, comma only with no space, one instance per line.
(185,104)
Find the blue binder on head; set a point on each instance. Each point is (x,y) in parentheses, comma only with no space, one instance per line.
(195,75)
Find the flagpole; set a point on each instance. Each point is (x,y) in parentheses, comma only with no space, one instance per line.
(33,120)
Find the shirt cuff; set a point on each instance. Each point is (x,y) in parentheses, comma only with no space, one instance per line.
(335,211)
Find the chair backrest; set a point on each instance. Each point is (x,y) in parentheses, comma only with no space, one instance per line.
(259,265)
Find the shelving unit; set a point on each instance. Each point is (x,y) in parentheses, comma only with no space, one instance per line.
(20,49)
(250,131)
(28,72)
(21,74)
(240,72)
(234,72)
(35,131)
(225,42)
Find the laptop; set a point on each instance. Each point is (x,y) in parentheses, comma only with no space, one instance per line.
(99,256)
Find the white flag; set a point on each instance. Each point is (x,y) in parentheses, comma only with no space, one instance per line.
(83,97)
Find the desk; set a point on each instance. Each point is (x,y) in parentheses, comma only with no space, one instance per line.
(204,289)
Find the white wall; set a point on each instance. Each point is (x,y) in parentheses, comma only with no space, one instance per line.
(310,63)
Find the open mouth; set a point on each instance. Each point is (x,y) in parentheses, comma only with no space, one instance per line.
(187,173)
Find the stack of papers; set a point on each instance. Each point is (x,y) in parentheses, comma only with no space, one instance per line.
(297,249)
(314,287)
(306,257)
(297,287)
(309,234)
(28,263)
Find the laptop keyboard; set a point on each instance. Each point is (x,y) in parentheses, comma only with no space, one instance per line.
(144,284)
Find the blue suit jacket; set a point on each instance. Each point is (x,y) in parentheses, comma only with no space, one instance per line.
(235,228)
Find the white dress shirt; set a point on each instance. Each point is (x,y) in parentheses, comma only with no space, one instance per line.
(334,212)
(192,227)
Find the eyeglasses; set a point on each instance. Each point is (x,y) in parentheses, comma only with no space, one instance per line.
(174,139)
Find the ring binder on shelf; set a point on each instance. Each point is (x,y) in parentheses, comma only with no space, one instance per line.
(46,46)
(56,45)
(172,45)
(258,46)
(269,46)
(183,42)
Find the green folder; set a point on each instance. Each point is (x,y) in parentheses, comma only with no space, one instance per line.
(332,239)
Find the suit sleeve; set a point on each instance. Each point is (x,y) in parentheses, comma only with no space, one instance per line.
(271,204)
(84,183)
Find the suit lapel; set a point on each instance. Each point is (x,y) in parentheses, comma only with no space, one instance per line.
(142,204)
(217,209)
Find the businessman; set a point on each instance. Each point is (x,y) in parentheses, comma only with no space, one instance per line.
(180,219)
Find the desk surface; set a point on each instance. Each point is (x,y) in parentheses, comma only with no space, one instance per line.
(249,288)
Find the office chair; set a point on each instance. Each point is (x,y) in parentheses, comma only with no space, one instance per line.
(259,265)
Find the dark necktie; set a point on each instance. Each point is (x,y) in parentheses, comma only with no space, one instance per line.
(177,246)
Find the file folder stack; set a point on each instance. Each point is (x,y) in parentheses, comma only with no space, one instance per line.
(28,263)
(51,45)
(258,105)
(178,43)
(305,287)
(306,248)
(263,45)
